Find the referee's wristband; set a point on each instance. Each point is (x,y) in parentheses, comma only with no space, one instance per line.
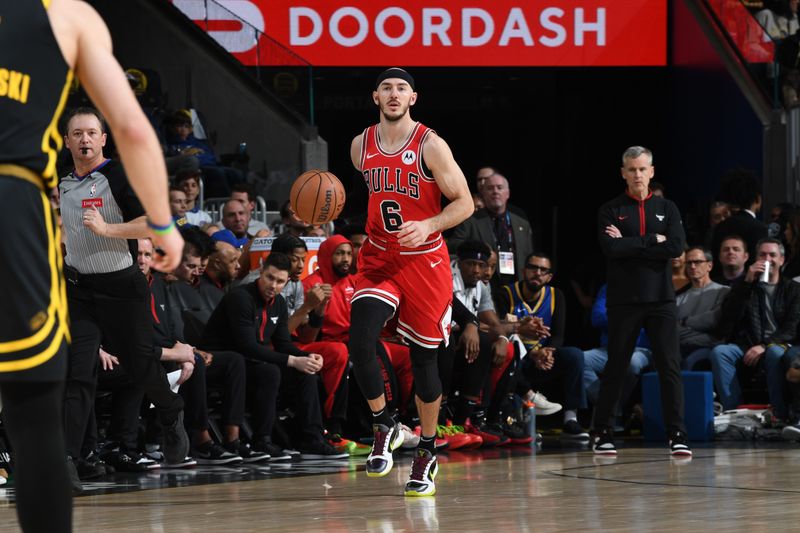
(160,230)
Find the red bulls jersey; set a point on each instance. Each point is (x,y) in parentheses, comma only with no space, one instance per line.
(400,189)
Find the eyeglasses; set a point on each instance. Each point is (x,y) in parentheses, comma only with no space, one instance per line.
(541,269)
(696,262)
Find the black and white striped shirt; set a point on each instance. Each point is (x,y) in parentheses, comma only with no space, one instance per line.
(107,188)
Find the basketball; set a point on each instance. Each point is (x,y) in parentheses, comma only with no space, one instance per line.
(317,197)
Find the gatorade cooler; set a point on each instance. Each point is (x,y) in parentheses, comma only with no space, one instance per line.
(698,396)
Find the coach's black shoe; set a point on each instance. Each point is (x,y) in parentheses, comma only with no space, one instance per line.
(175,441)
(604,442)
(387,440)
(92,467)
(573,431)
(679,444)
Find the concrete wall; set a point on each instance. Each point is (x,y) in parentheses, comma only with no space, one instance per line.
(194,70)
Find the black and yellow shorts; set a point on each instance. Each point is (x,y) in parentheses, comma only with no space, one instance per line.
(33,306)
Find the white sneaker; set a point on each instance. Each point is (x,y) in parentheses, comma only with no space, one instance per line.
(410,439)
(543,406)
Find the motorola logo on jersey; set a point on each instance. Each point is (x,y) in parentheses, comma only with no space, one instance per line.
(380,180)
(409,157)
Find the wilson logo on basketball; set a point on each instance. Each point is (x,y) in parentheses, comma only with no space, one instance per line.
(325,208)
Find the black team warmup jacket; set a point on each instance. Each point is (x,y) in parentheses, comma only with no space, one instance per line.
(639,269)
(245,323)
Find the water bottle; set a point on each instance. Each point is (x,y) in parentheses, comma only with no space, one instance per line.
(242,148)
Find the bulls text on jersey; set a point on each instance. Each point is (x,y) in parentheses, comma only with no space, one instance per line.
(380,180)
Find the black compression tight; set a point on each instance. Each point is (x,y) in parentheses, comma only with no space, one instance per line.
(33,419)
(367,317)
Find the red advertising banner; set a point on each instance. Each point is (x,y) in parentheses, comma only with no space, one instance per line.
(439,32)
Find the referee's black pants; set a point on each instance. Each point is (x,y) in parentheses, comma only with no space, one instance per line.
(111,310)
(659,319)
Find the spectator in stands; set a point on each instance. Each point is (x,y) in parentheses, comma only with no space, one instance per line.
(595,360)
(477,199)
(252,319)
(316,231)
(189,181)
(699,308)
(356,234)
(733,257)
(679,280)
(547,359)
(246,193)
(236,219)
(480,179)
(743,193)
(181,141)
(290,222)
(500,227)
(491,268)
(299,303)
(779,19)
(717,212)
(759,320)
(792,234)
(465,363)
(177,205)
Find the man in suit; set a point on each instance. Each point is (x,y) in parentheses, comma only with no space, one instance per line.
(501,228)
(743,192)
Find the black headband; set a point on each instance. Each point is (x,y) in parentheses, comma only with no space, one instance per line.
(395,72)
(477,255)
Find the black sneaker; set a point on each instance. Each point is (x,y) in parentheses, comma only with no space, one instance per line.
(211,453)
(92,467)
(74,480)
(604,442)
(679,444)
(387,440)
(274,451)
(573,431)
(320,449)
(248,454)
(423,472)
(125,462)
(175,441)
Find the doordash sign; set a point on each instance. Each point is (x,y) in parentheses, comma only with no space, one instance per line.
(460,33)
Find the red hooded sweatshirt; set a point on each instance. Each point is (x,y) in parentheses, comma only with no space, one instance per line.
(336,323)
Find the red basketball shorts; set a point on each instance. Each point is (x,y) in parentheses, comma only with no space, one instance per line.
(417,284)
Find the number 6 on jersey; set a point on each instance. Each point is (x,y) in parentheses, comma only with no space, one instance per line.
(390,213)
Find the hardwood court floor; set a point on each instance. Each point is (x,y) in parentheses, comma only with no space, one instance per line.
(724,487)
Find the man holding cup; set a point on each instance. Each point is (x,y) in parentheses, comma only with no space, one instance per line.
(759,319)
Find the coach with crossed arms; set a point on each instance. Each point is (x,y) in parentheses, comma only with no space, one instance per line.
(640,233)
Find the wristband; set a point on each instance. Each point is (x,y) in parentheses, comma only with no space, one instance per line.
(160,230)
(314,320)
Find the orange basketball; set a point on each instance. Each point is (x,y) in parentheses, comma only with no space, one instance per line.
(317,197)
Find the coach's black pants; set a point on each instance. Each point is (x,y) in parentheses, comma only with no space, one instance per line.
(299,390)
(111,310)
(227,371)
(661,325)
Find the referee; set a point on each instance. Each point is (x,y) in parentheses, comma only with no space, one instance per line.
(106,291)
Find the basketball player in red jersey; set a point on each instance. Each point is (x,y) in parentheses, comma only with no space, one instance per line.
(403,267)
(41,44)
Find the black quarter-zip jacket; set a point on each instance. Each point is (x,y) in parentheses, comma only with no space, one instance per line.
(639,269)
(245,323)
